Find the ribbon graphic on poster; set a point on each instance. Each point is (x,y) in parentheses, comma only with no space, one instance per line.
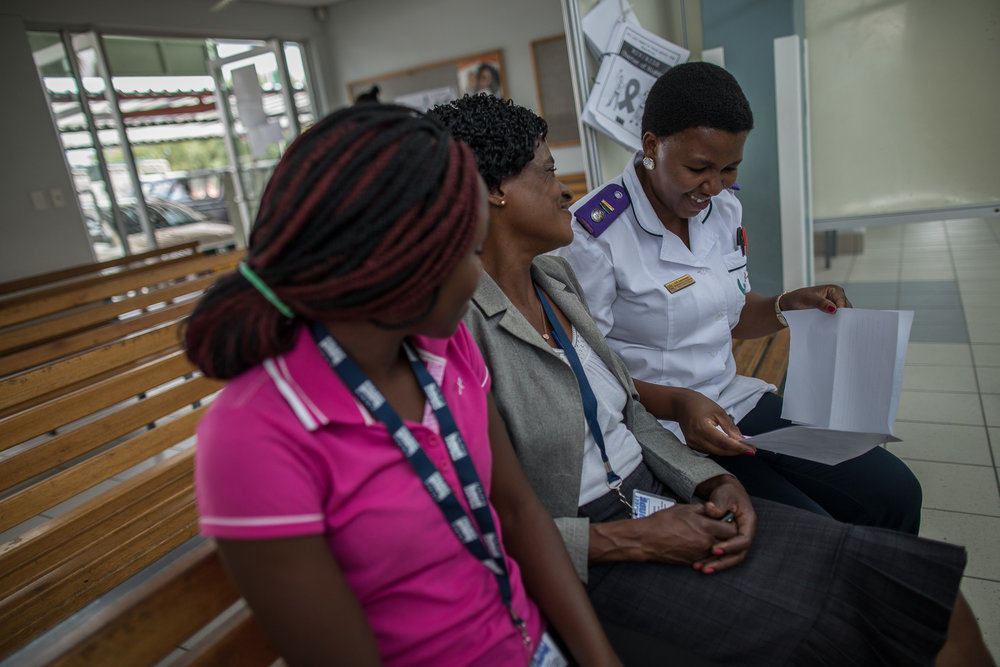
(635,58)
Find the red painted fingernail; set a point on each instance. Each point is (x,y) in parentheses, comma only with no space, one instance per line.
(717,551)
(709,570)
(831,309)
(749,452)
(697,566)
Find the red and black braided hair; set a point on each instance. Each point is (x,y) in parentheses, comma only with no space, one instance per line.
(364,217)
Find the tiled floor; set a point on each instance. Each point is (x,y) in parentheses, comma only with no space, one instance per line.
(948,273)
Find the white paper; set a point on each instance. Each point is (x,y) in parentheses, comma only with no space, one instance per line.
(816,444)
(845,374)
(635,59)
(600,22)
(845,370)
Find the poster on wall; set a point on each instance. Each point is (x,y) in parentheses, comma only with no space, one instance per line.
(480,75)
(422,100)
(424,86)
(634,59)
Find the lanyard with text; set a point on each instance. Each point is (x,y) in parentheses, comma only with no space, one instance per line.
(586,394)
(486,548)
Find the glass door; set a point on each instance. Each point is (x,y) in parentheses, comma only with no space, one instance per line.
(85,109)
(171,140)
(263,104)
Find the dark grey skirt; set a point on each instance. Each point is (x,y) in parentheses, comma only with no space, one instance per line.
(812,591)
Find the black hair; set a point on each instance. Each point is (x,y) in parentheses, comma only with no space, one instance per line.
(502,135)
(364,217)
(494,76)
(696,94)
(370,95)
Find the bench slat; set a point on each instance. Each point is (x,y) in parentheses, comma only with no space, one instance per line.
(61,411)
(45,603)
(58,567)
(18,338)
(774,365)
(69,345)
(748,354)
(65,484)
(67,446)
(161,272)
(144,627)
(42,548)
(19,389)
(77,293)
(765,357)
(238,641)
(12,286)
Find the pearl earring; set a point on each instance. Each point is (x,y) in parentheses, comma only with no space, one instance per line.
(648,163)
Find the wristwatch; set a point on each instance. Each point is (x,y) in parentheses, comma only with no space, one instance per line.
(777,310)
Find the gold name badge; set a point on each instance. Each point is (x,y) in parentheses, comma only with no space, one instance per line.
(677,285)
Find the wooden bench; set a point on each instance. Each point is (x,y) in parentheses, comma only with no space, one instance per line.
(61,276)
(122,577)
(765,358)
(576,182)
(96,496)
(145,626)
(45,325)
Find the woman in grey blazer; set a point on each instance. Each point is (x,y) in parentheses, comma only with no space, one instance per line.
(784,586)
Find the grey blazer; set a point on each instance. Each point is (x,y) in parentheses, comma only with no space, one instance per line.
(539,399)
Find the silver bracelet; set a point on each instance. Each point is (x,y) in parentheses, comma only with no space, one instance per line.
(777,310)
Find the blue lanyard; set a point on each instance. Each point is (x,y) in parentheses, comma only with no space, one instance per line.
(586,394)
(484,544)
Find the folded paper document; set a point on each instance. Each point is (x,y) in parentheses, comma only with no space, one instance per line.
(845,374)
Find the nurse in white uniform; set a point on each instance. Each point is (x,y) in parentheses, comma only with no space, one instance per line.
(662,256)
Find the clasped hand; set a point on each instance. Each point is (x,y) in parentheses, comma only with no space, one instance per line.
(693,534)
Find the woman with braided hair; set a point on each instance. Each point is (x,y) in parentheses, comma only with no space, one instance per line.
(354,471)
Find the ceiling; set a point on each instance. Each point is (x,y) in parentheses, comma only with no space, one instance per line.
(298,3)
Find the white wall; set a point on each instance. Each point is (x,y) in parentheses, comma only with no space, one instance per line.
(368,38)
(904,98)
(33,241)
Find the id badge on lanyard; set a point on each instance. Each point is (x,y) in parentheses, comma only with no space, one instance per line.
(548,654)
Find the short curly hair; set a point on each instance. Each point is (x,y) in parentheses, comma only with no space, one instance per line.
(503,135)
(696,94)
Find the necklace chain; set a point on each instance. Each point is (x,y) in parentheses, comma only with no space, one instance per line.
(545,321)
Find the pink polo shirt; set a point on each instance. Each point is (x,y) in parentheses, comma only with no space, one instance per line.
(285,450)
